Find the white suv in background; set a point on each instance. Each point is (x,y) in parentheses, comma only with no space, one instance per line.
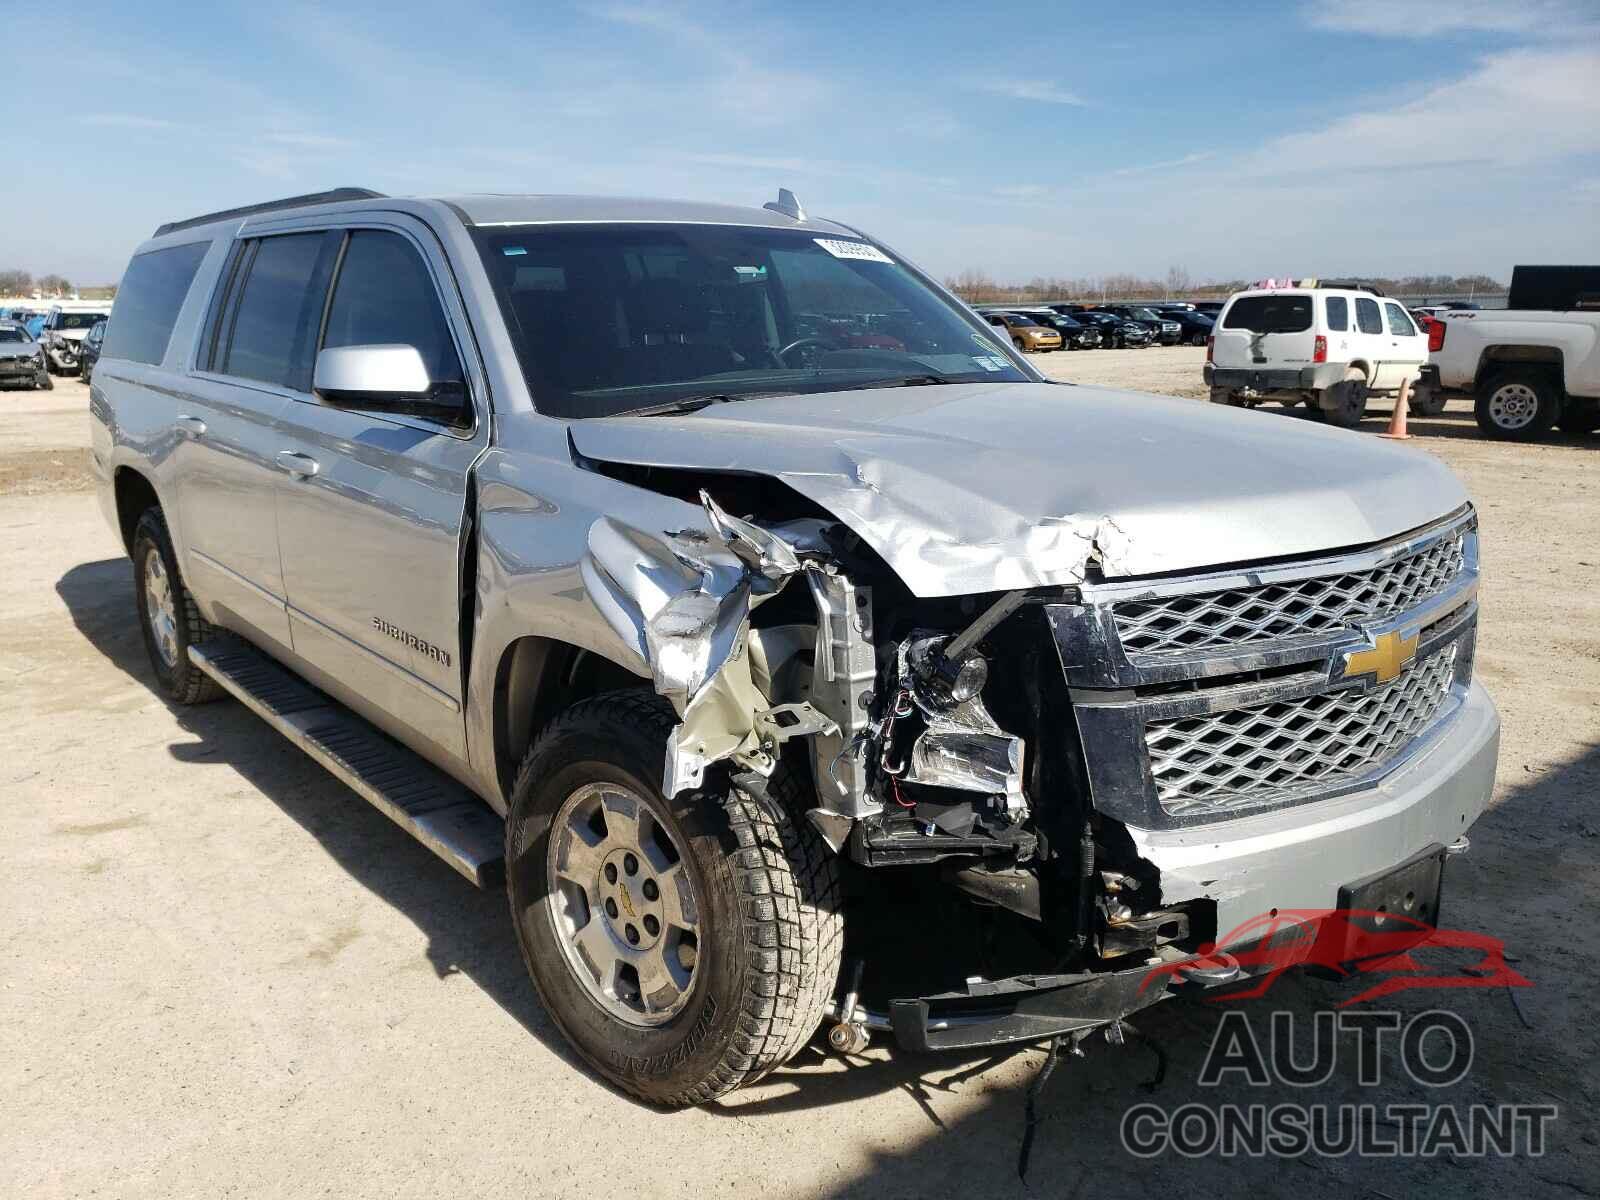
(1331,347)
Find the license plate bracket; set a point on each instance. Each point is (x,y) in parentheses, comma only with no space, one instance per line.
(1383,909)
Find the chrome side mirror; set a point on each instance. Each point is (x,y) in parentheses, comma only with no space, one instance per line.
(357,375)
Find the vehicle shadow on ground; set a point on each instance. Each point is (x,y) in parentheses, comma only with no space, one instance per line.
(468,931)
(1455,423)
(1537,1049)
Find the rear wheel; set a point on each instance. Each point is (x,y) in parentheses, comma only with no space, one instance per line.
(1516,405)
(1224,396)
(1345,403)
(685,945)
(168,617)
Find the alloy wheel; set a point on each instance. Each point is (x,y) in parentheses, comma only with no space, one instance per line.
(622,904)
(161,608)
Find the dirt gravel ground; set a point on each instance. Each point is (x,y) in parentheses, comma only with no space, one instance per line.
(222,974)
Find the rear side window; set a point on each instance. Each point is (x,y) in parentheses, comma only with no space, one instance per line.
(148,300)
(1399,321)
(1368,318)
(274,324)
(385,297)
(1338,311)
(1287,313)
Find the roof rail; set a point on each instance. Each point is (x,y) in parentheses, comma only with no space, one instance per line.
(1352,285)
(334,196)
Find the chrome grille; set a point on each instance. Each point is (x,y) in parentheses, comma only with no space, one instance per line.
(1260,754)
(1179,624)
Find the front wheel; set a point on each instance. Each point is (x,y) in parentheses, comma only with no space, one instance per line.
(1516,405)
(43,381)
(1021,346)
(685,945)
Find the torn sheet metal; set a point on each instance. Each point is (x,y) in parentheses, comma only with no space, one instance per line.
(682,601)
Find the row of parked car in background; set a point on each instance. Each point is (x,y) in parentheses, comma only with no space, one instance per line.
(1080,326)
(59,338)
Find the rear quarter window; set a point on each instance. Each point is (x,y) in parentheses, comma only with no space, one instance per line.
(1287,313)
(148,300)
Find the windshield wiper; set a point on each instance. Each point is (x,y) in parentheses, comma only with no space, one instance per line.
(890,381)
(688,404)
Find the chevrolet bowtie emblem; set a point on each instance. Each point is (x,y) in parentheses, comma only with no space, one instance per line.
(1390,652)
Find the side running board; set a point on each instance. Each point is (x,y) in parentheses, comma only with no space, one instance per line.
(433,808)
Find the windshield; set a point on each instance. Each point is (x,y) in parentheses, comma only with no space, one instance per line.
(1019,319)
(1142,314)
(68,320)
(611,318)
(12,334)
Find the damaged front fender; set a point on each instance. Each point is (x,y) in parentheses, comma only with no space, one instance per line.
(682,602)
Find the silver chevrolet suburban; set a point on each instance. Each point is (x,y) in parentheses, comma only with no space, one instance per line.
(722,584)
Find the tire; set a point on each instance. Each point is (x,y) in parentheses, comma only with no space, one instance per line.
(1021,346)
(1224,396)
(181,681)
(1344,404)
(765,891)
(1516,405)
(1579,416)
(1427,402)
(44,383)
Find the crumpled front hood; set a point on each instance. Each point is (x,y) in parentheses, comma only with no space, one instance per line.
(967,488)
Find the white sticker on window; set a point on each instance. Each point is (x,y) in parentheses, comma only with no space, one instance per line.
(865,251)
(985,362)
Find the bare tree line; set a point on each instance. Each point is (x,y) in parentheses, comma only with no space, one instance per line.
(16,282)
(979,287)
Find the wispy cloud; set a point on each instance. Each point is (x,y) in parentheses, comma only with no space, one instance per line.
(1167,164)
(309,141)
(1514,108)
(1021,191)
(1028,89)
(126,121)
(1429,18)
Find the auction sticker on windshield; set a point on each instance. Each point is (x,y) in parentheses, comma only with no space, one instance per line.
(864,251)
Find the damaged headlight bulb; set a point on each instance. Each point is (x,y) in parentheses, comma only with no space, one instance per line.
(947,682)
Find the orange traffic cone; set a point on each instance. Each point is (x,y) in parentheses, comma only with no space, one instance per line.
(1397,422)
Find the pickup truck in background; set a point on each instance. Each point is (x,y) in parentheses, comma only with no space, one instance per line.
(1528,369)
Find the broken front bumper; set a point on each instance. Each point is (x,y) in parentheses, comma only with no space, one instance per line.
(1292,859)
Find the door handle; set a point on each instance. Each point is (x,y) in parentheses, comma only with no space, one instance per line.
(193,426)
(301,466)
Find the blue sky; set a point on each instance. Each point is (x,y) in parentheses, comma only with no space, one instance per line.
(1069,139)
